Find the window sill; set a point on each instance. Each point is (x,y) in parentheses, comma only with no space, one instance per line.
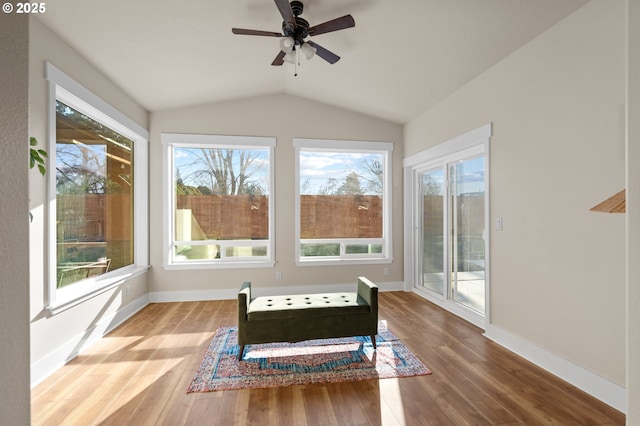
(335,262)
(106,284)
(218,265)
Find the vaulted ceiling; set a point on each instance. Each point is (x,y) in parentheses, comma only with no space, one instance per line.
(402,57)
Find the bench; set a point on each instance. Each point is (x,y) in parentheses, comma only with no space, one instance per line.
(295,318)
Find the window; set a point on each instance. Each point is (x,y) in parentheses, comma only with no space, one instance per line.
(219,204)
(343,200)
(97,181)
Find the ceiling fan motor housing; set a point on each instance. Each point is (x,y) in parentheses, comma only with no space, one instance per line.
(296,7)
(302,30)
(299,33)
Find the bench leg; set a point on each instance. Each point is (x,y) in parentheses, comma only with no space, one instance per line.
(240,352)
(373,340)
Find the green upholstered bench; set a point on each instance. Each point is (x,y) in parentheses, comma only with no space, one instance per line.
(299,317)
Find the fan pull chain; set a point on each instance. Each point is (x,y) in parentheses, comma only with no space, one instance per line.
(297,62)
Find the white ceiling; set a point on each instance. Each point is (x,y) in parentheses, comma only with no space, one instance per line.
(402,57)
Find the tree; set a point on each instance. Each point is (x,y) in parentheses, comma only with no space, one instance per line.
(369,177)
(182,189)
(205,190)
(79,170)
(350,186)
(226,171)
(329,188)
(373,176)
(430,186)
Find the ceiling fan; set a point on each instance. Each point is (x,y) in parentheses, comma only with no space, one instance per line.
(294,31)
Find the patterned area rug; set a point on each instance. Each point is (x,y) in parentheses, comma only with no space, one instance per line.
(313,361)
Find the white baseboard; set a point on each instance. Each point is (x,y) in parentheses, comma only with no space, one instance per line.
(191,295)
(606,391)
(230,294)
(46,366)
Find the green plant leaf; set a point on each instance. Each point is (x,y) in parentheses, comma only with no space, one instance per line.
(37,156)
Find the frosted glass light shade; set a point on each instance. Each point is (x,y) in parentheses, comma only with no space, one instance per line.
(287,44)
(290,57)
(308,50)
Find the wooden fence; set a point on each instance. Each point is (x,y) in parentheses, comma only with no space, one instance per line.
(230,217)
(224,217)
(94,217)
(469,220)
(322,216)
(340,216)
(83,217)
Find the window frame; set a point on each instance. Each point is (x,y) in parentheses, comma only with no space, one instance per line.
(63,88)
(171,140)
(347,146)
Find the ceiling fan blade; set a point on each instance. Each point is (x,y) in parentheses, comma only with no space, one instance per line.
(287,13)
(255,32)
(325,54)
(279,60)
(341,23)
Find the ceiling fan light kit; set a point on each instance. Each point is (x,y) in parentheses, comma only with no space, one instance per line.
(294,32)
(308,50)
(287,44)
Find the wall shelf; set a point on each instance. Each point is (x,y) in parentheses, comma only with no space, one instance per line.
(613,204)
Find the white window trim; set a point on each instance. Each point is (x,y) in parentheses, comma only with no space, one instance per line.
(171,140)
(63,88)
(385,148)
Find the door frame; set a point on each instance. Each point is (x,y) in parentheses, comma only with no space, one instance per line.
(470,143)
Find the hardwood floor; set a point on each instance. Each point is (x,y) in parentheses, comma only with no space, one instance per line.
(138,375)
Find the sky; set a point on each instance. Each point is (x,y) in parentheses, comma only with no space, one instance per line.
(316,168)
(470,176)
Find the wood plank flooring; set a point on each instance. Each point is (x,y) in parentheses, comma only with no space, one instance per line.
(138,375)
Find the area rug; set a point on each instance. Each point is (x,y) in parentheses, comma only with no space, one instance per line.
(313,361)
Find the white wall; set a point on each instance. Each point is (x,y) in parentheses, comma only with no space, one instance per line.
(557,106)
(284,117)
(633,212)
(15,408)
(57,338)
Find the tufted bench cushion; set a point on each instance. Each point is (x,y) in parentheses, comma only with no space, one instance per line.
(306,306)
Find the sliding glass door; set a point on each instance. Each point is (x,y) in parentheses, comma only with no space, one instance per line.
(451,244)
(432,241)
(447,228)
(467,219)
